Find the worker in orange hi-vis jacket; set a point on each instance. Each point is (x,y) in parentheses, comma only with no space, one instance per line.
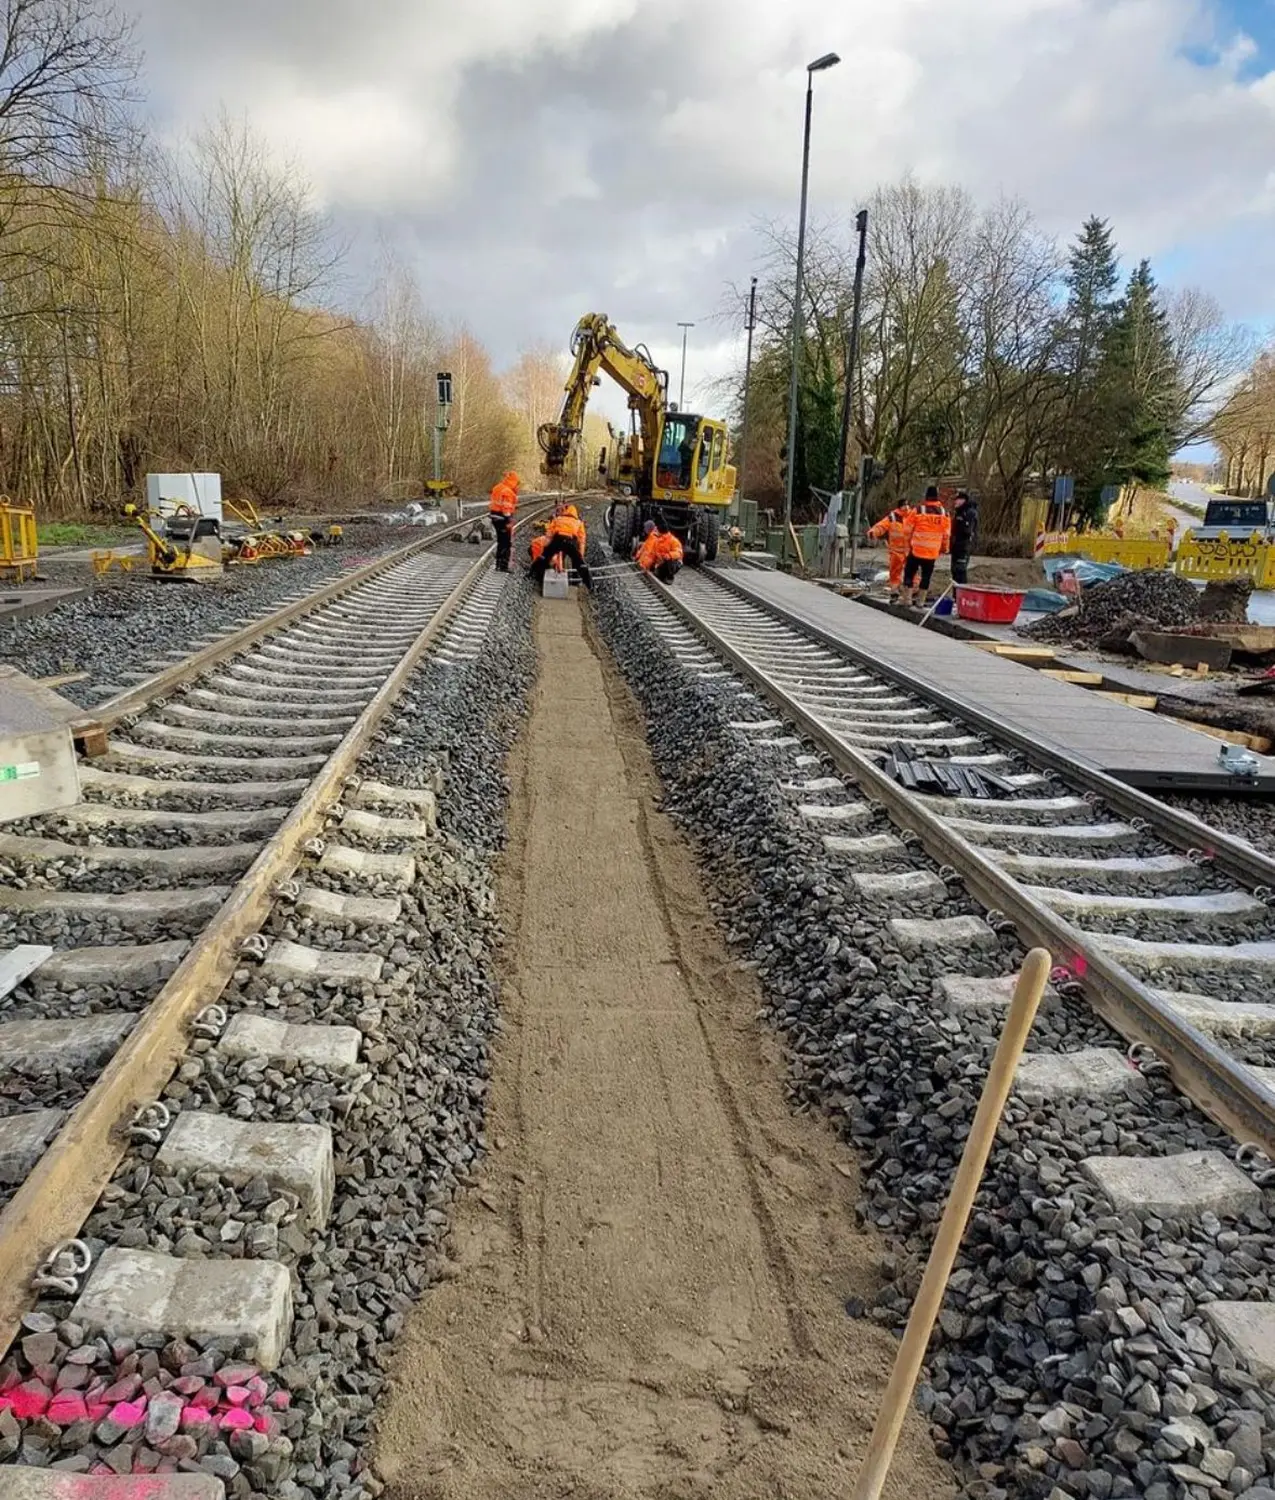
(929,537)
(894,528)
(504,501)
(567,538)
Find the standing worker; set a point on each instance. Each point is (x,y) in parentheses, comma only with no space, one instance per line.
(894,527)
(929,536)
(660,553)
(964,535)
(567,538)
(504,501)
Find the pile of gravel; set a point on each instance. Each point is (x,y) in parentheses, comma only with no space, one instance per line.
(130,620)
(1115,609)
(408,1127)
(1072,1358)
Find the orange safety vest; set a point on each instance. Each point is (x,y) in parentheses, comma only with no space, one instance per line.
(504,499)
(667,547)
(569,526)
(538,545)
(929,531)
(646,553)
(894,528)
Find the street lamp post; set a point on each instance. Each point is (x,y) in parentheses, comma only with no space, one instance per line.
(748,378)
(681,389)
(829,60)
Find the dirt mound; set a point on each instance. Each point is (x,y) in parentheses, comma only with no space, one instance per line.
(1110,612)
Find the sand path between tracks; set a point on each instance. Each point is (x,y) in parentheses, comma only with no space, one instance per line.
(655,1268)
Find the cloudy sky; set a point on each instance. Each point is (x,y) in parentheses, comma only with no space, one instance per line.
(534,159)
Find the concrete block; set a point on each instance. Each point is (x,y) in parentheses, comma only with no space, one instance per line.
(380,829)
(185,862)
(45,1046)
(1191,1183)
(295,1158)
(874,846)
(286,960)
(1220,906)
(906,883)
(1093,1072)
(20,1483)
(1200,958)
(389,869)
(129,908)
(124,966)
(133,1293)
(243,821)
(335,1048)
(756,726)
(843,812)
(784,742)
(819,784)
(23,1138)
(1113,872)
(921,934)
(556,585)
(959,992)
(1249,1328)
(1062,833)
(1222,1017)
(422,800)
(365,911)
(20,963)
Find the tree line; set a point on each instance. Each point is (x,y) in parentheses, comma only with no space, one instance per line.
(164,311)
(988,353)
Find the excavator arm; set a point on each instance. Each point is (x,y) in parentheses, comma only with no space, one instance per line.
(597,348)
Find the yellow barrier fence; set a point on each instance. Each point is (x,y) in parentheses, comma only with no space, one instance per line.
(19,547)
(1217,559)
(1104,547)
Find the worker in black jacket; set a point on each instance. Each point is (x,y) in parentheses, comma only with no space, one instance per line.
(964,535)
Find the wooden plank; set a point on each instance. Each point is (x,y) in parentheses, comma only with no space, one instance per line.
(19,963)
(1016,652)
(1080,679)
(1256,742)
(1131,700)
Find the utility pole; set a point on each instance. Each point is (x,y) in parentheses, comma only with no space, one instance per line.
(748,376)
(681,390)
(852,346)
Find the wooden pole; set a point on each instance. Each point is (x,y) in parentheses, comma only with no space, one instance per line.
(916,1337)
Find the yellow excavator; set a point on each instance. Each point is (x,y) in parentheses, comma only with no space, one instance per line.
(671,463)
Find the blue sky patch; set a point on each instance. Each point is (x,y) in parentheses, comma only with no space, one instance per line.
(1254,19)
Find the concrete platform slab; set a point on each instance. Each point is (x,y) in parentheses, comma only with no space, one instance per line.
(292,1158)
(398,870)
(335,1048)
(1249,1328)
(132,1293)
(1173,1187)
(23,1138)
(29,604)
(364,911)
(41,1046)
(1143,749)
(285,960)
(1093,1072)
(923,934)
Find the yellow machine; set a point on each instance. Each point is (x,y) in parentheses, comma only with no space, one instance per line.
(19,546)
(190,547)
(671,463)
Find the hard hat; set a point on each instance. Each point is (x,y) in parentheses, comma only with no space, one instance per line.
(572,512)
(512,478)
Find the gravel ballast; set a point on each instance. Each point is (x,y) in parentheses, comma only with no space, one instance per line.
(1072,1357)
(407,1128)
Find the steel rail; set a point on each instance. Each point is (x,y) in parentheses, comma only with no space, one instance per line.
(1184,830)
(60,1192)
(108,714)
(1227,1091)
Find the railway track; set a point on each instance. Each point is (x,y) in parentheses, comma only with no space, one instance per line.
(222,776)
(1105,877)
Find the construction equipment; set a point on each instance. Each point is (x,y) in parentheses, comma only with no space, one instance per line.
(1236,541)
(671,464)
(19,545)
(188,548)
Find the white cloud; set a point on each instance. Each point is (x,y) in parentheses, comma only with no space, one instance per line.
(541,157)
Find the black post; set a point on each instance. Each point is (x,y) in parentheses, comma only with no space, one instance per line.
(748,375)
(852,346)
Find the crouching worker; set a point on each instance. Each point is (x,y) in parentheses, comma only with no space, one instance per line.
(539,541)
(567,538)
(660,553)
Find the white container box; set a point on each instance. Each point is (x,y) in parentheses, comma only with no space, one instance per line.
(38,769)
(201,492)
(557,585)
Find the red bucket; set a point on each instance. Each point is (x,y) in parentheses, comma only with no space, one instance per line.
(989,606)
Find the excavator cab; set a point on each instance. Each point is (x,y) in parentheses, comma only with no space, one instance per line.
(691,466)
